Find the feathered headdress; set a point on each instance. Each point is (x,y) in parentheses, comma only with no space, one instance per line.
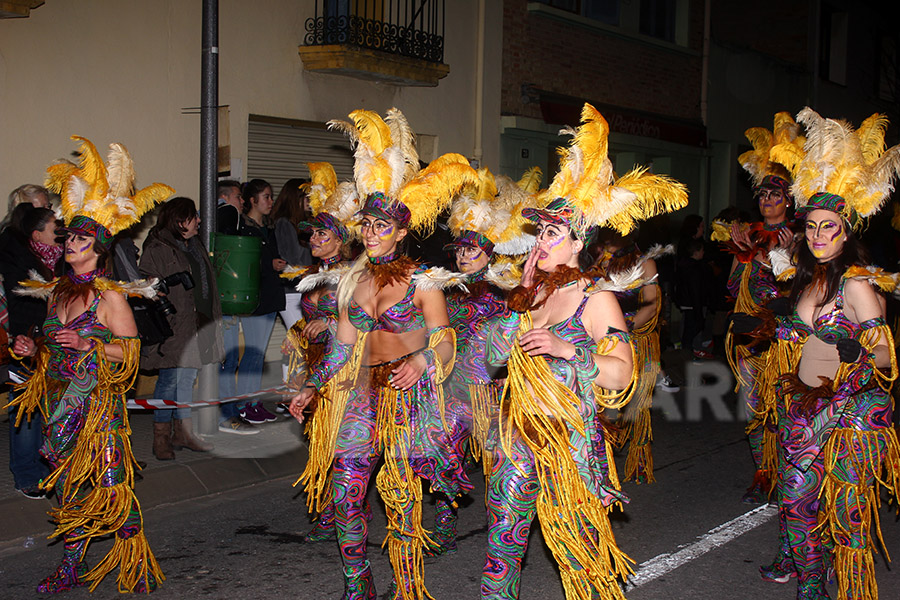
(387,175)
(585,193)
(758,162)
(487,213)
(333,205)
(840,169)
(100,200)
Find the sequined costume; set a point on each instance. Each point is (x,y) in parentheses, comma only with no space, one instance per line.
(472,396)
(305,355)
(835,441)
(81,396)
(374,419)
(635,421)
(553,459)
(753,285)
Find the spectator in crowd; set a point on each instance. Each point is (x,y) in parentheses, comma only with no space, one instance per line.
(257,327)
(174,253)
(229,207)
(29,244)
(29,193)
(287,215)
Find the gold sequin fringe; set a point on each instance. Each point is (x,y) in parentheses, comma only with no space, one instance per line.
(574,521)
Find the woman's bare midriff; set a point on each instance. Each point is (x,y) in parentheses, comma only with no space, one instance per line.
(817,358)
(385,347)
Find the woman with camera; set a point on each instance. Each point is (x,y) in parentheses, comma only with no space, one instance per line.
(174,254)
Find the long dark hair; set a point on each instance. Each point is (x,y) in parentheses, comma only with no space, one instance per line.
(289,203)
(252,189)
(852,253)
(173,214)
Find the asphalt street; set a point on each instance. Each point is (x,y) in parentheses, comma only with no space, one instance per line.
(689,533)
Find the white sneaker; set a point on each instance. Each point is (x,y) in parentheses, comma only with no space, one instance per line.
(237,426)
(666,384)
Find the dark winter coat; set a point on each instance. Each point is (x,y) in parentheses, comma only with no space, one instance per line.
(162,256)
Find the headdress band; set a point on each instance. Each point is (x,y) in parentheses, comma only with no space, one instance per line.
(474,239)
(87,226)
(324,220)
(381,206)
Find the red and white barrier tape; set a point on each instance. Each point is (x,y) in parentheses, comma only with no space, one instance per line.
(154,403)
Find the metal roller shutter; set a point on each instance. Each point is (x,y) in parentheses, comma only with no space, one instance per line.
(278,150)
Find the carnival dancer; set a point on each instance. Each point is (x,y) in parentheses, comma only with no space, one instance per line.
(332,206)
(487,228)
(85,361)
(392,350)
(835,355)
(640,303)
(565,346)
(752,284)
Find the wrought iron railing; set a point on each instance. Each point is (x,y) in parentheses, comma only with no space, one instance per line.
(413,28)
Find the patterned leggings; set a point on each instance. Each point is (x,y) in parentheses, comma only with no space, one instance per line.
(399,482)
(511,506)
(843,509)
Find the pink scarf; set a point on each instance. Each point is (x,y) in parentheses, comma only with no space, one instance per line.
(48,254)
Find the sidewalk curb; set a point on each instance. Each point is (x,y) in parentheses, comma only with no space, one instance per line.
(161,485)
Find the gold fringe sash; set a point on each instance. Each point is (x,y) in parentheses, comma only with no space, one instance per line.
(873,455)
(442,370)
(401,491)
(574,521)
(137,560)
(638,427)
(324,426)
(485,399)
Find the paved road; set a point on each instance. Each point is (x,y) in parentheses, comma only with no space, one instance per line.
(249,543)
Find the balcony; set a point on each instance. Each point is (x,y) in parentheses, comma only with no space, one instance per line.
(400,42)
(14,9)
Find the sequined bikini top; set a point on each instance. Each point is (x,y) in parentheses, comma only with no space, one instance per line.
(831,326)
(401,317)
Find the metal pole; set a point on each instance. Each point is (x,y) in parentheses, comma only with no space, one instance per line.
(208,384)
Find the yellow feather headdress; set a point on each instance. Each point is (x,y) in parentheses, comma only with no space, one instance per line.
(841,169)
(758,162)
(487,213)
(387,175)
(94,193)
(586,192)
(333,205)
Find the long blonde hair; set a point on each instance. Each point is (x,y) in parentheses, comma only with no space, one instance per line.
(347,285)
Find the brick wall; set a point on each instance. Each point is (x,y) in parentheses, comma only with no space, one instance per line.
(559,57)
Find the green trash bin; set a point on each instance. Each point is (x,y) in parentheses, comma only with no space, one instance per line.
(236,262)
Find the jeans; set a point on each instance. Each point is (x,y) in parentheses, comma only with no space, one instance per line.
(174,384)
(25,462)
(248,368)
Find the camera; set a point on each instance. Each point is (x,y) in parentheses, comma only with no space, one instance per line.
(163,304)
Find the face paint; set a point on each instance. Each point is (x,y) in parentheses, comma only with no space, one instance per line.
(824,237)
(386,233)
(78,246)
(550,238)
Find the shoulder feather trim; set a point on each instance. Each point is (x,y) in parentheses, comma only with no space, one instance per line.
(505,276)
(621,281)
(439,278)
(36,286)
(884,280)
(327,277)
(782,266)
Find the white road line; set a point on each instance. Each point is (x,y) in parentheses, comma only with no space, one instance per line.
(660,565)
